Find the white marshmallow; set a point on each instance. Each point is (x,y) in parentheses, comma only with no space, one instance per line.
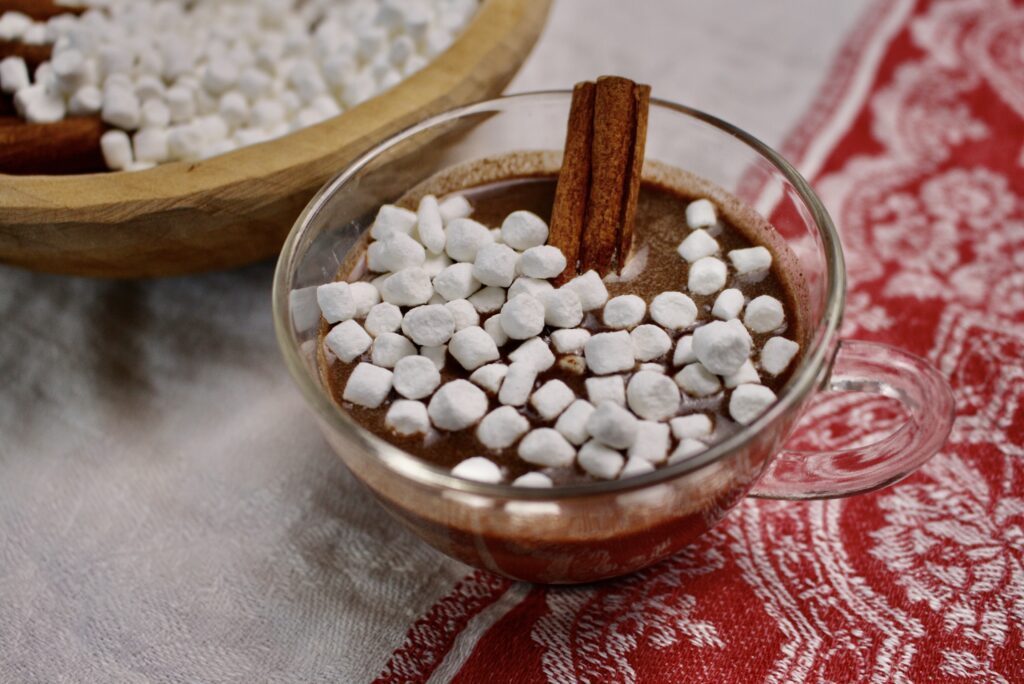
(416,377)
(543,261)
(495,265)
(430,225)
(473,347)
(150,145)
(490,376)
(365,296)
(429,326)
(570,341)
(336,302)
(501,428)
(700,214)
(395,253)
(154,113)
(534,479)
(234,108)
(684,351)
(609,352)
(611,388)
(517,385)
(728,304)
(693,426)
(117,150)
(121,109)
(652,442)
(186,142)
(649,342)
(383,318)
(624,311)
(673,310)
(562,308)
(746,374)
(463,313)
(722,346)
(531,286)
(535,353)
(455,207)
(406,418)
(70,69)
(181,102)
(488,300)
(546,447)
(464,238)
(707,276)
(777,354)
(600,461)
(368,385)
(435,263)
(220,75)
(764,314)
(457,405)
(392,220)
(653,367)
(13,75)
(652,396)
(478,469)
(438,355)
(687,448)
(612,425)
(389,348)
(88,100)
(751,260)
(697,245)
(456,282)
(572,424)
(522,230)
(409,287)
(590,289)
(553,397)
(698,381)
(347,341)
(748,402)
(636,466)
(493,328)
(522,317)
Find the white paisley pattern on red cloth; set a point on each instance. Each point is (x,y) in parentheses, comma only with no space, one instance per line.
(917,149)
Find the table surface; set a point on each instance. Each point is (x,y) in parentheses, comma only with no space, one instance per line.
(170,513)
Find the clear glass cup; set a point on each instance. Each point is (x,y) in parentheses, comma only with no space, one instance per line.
(587,532)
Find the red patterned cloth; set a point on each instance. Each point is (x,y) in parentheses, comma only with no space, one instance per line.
(917,148)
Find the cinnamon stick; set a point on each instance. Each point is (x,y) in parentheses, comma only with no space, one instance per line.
(570,208)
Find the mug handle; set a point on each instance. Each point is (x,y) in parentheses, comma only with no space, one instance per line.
(878,369)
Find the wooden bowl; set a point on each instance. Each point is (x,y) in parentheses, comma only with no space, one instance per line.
(238,207)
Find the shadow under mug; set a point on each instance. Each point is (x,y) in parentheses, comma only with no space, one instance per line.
(592,531)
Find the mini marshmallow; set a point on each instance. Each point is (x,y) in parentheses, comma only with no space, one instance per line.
(88,100)
(653,367)
(728,304)
(368,385)
(365,296)
(746,374)
(181,102)
(13,75)
(473,347)
(150,145)
(336,302)
(438,355)
(121,109)
(522,317)
(416,377)
(154,114)
(464,238)
(612,425)
(523,229)
(590,289)
(488,300)
(693,426)
(455,207)
(478,469)
(697,245)
(700,214)
(392,220)
(117,150)
(600,461)
(562,308)
(687,448)
(347,341)
(722,346)
(430,225)
(543,261)
(490,376)
(493,328)
(517,385)
(456,282)
(220,75)
(684,351)
(624,311)
(457,405)
(186,142)
(38,104)
(570,341)
(673,310)
(611,388)
(383,317)
(572,424)
(409,287)
(764,314)
(531,286)
(502,427)
(698,381)
(609,352)
(553,397)
(429,326)
(395,253)
(435,263)
(234,108)
(649,342)
(406,418)
(636,466)
(707,276)
(546,447)
(495,265)
(748,402)
(652,442)
(463,313)
(534,479)
(535,353)
(389,348)
(777,354)
(751,260)
(652,396)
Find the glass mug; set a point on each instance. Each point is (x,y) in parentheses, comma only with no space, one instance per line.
(593,531)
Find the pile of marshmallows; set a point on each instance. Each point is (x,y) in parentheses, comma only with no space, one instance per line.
(443,271)
(182,80)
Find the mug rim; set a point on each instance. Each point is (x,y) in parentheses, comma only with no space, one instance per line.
(401,463)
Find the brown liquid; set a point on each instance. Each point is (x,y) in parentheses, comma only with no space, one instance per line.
(656,268)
